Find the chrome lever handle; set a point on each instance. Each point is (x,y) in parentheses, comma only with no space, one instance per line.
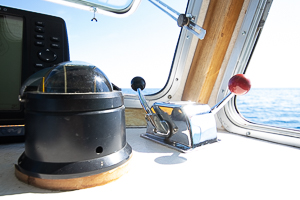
(238,85)
(161,126)
(144,102)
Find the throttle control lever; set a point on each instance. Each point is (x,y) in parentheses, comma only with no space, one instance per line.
(185,125)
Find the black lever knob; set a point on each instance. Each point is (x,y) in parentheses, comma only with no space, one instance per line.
(183,20)
(138,82)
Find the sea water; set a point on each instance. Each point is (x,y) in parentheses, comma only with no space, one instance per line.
(279,107)
(146,91)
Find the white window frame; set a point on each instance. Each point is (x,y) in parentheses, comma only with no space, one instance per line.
(229,117)
(182,60)
(98,8)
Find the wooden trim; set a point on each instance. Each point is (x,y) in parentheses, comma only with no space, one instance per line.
(219,23)
(74,183)
(214,95)
(135,117)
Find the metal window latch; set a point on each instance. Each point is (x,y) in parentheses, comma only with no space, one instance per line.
(183,20)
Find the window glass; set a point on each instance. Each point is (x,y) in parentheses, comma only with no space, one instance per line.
(142,44)
(274,70)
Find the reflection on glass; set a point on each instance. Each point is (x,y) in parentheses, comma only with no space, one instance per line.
(76,77)
(11,30)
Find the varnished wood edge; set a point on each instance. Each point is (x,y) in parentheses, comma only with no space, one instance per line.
(220,23)
(135,117)
(75,183)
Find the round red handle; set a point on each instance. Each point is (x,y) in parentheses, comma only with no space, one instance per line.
(239,84)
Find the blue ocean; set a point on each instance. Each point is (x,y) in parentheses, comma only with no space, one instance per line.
(278,107)
(145,91)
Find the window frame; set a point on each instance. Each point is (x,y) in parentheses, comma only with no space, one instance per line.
(100,9)
(182,59)
(229,116)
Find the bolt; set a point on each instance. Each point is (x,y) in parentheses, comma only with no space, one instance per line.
(170,97)
(244,33)
(248,133)
(192,18)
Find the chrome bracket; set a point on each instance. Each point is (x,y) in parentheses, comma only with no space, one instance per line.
(160,126)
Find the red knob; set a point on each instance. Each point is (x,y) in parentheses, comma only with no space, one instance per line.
(239,84)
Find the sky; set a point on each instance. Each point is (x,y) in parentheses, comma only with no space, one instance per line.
(143,44)
(275,62)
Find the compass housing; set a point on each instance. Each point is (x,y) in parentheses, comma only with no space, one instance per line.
(74,125)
